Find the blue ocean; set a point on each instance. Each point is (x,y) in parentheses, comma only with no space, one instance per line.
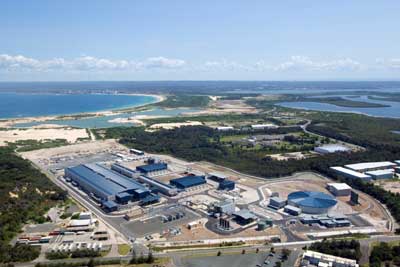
(16,105)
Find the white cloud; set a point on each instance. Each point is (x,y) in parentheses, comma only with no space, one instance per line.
(223,65)
(300,64)
(393,63)
(305,63)
(85,63)
(162,62)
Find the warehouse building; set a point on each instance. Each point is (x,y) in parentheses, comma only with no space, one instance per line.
(371,166)
(226,185)
(136,152)
(155,185)
(188,181)
(263,126)
(153,169)
(106,185)
(312,202)
(124,170)
(351,174)
(225,207)
(216,176)
(244,217)
(332,148)
(158,186)
(277,203)
(339,189)
(292,210)
(313,258)
(225,128)
(381,174)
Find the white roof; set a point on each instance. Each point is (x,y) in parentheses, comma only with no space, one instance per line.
(350,172)
(77,223)
(224,128)
(329,258)
(340,186)
(333,148)
(263,125)
(370,165)
(380,172)
(397,162)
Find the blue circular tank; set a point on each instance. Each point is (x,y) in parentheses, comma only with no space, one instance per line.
(311,201)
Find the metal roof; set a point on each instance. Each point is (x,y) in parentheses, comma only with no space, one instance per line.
(380,172)
(339,186)
(312,199)
(245,214)
(126,183)
(350,172)
(110,204)
(333,148)
(150,198)
(188,181)
(152,167)
(370,165)
(95,180)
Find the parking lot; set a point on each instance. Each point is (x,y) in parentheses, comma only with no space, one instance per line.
(155,224)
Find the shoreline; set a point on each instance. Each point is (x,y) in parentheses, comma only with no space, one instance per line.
(9,122)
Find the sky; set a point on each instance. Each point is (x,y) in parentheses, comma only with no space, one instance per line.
(98,40)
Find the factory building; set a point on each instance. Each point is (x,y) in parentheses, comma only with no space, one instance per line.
(136,152)
(332,148)
(188,181)
(153,169)
(226,185)
(225,207)
(313,258)
(263,126)
(106,185)
(124,170)
(351,174)
(292,210)
(158,186)
(371,166)
(217,177)
(244,217)
(381,174)
(326,220)
(277,203)
(339,189)
(312,202)
(224,128)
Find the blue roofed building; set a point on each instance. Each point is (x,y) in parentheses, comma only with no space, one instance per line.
(226,185)
(153,169)
(106,185)
(109,206)
(188,181)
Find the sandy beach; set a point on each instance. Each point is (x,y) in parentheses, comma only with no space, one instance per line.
(8,123)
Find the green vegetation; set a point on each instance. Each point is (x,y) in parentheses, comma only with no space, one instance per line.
(342,248)
(123,249)
(29,145)
(385,254)
(183,100)
(242,119)
(25,195)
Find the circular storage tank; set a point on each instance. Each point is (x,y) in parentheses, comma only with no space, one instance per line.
(312,202)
